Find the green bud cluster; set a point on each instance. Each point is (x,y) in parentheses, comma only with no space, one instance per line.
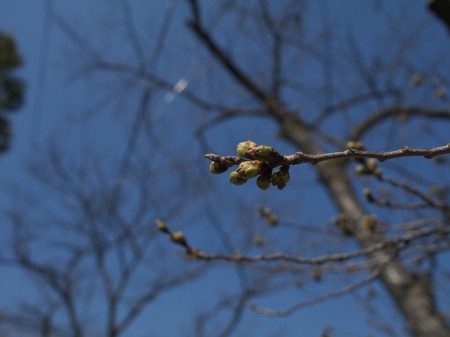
(261,160)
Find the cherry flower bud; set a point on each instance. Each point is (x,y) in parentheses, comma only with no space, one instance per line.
(243,147)
(263,182)
(372,164)
(356,144)
(260,152)
(249,169)
(161,225)
(265,154)
(217,167)
(361,169)
(236,179)
(281,177)
(178,237)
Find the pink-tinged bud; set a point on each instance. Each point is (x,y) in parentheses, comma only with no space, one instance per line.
(243,147)
(236,179)
(281,177)
(249,169)
(217,167)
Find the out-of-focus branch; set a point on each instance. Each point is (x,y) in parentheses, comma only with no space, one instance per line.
(441,8)
(399,112)
(319,299)
(396,243)
(242,78)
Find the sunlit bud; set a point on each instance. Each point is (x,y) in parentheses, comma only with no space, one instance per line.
(356,144)
(361,169)
(416,80)
(372,164)
(260,152)
(249,169)
(378,172)
(242,148)
(217,167)
(236,179)
(265,154)
(178,237)
(162,226)
(281,177)
(263,181)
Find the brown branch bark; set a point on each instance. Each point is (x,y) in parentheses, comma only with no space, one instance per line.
(301,158)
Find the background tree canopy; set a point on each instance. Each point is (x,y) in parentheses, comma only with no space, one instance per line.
(11,88)
(333,217)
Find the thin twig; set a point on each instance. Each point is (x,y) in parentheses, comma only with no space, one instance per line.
(325,297)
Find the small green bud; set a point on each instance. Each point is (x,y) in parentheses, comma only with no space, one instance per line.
(178,237)
(162,226)
(361,169)
(372,164)
(236,179)
(243,147)
(265,154)
(217,167)
(356,144)
(249,169)
(260,152)
(263,182)
(378,172)
(281,177)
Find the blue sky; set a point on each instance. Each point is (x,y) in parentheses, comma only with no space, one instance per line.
(87,117)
